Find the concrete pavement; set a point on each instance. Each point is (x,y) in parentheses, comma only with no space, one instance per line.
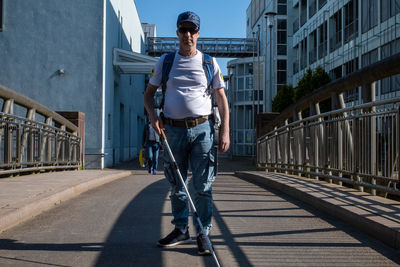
(376,216)
(24,197)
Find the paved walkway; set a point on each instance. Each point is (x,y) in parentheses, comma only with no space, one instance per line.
(253,225)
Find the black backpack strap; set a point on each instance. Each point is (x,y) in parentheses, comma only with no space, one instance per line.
(208,66)
(166,69)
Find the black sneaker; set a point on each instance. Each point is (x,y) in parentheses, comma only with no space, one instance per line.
(203,245)
(174,238)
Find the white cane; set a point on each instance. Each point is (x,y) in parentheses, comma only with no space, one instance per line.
(164,138)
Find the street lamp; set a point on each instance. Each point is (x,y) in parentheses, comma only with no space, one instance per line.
(269,16)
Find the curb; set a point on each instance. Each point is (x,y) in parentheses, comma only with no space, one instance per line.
(382,228)
(33,209)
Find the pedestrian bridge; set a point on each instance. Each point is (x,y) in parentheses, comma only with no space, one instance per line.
(216,47)
(344,163)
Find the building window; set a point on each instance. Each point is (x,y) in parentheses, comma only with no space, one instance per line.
(390,84)
(350,67)
(322,40)
(303,54)
(303,12)
(282,10)
(1,15)
(312,8)
(296,60)
(369,58)
(336,73)
(281,77)
(350,20)
(336,29)
(281,68)
(281,37)
(369,14)
(313,47)
(389,8)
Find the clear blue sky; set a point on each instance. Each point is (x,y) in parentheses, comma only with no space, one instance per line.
(218,18)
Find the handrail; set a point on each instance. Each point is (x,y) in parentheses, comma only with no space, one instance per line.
(28,145)
(8,94)
(374,72)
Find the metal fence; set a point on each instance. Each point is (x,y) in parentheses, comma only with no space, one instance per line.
(354,146)
(357,145)
(41,140)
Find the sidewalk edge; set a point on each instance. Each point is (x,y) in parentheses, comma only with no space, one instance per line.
(33,209)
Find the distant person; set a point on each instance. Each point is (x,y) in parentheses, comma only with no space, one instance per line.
(189,126)
(151,142)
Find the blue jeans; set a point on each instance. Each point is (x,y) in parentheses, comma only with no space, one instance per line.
(194,146)
(152,149)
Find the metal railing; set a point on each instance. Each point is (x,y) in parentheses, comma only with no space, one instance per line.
(356,145)
(40,140)
(217,47)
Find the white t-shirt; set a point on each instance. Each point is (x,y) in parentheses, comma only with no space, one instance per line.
(186,94)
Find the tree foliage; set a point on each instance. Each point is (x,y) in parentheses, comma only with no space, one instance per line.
(304,86)
(283,98)
(312,80)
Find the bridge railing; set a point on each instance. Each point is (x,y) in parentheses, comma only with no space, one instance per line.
(34,138)
(219,47)
(356,145)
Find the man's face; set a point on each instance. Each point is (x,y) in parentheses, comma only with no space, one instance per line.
(188,33)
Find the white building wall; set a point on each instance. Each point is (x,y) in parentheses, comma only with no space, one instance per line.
(123,109)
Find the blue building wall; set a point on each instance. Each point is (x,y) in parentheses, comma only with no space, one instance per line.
(40,37)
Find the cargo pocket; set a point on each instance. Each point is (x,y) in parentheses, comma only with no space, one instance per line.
(212,167)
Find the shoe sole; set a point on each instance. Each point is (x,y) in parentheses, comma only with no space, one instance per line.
(174,244)
(205,253)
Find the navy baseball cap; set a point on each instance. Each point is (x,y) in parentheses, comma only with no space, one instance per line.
(188,16)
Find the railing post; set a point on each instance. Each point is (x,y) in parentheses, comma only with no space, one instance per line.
(7,144)
(8,107)
(398,142)
(276,149)
(287,150)
(373,142)
(356,159)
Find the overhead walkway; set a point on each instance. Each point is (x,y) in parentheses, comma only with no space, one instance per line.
(128,62)
(216,47)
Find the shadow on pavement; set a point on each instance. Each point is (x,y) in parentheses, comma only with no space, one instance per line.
(132,241)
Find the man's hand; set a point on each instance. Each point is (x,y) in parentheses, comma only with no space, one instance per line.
(223,108)
(157,125)
(156,121)
(224,141)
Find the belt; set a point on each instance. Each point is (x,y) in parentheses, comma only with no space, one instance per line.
(186,123)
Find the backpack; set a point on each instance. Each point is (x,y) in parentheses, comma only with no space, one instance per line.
(208,70)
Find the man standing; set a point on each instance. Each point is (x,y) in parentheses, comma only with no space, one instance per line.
(151,142)
(189,126)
